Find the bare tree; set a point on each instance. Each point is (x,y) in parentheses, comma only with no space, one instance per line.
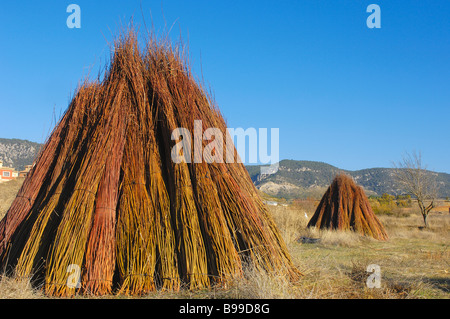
(415,180)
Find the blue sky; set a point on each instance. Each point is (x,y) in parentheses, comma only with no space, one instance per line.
(338,91)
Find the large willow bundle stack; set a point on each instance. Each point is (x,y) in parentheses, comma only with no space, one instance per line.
(345,206)
(105,195)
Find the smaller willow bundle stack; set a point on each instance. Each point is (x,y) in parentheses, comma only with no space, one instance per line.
(106,198)
(345,206)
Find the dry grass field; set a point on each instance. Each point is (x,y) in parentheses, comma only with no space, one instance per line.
(8,191)
(414,262)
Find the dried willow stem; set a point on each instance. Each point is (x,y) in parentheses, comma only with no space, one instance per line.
(105,195)
(345,206)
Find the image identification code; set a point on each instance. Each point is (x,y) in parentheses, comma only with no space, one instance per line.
(234,308)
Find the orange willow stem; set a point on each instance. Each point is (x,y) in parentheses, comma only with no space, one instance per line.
(105,197)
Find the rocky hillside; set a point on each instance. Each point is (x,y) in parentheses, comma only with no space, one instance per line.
(18,153)
(310,179)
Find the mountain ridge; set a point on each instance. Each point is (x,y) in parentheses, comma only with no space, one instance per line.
(294,178)
(17,153)
(310,179)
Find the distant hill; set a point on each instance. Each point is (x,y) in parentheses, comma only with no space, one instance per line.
(297,179)
(17,153)
(294,179)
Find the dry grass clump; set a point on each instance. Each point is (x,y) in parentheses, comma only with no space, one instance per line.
(11,288)
(260,284)
(290,221)
(390,288)
(341,238)
(255,283)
